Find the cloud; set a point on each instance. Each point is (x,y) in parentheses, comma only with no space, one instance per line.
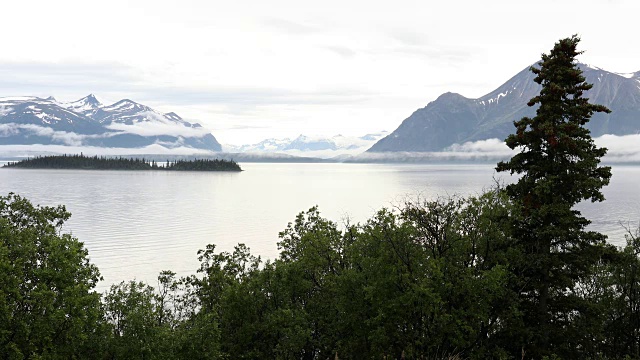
(64,137)
(621,149)
(489,146)
(439,54)
(258,96)
(342,51)
(17,151)
(243,127)
(290,27)
(409,37)
(426,157)
(9,129)
(624,148)
(113,81)
(43,78)
(158,125)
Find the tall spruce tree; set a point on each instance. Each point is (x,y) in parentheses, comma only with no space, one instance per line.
(559,164)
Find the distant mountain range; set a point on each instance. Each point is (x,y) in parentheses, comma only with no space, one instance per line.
(87,122)
(443,125)
(312,146)
(454,119)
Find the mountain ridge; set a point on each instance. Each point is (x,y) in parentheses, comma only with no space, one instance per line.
(454,119)
(86,121)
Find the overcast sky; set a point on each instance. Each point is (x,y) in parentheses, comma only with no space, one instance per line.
(250,70)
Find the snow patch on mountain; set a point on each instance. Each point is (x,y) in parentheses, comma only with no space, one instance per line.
(494,99)
(88,105)
(126,106)
(4,110)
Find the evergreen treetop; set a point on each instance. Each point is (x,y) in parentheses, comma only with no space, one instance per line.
(559,164)
(559,159)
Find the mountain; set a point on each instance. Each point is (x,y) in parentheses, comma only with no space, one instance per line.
(267,145)
(31,120)
(305,143)
(86,106)
(88,122)
(313,146)
(454,119)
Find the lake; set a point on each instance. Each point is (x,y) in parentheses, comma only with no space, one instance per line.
(137,223)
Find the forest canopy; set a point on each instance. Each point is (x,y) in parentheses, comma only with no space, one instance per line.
(432,279)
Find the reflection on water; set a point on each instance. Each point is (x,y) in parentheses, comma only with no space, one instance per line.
(136,224)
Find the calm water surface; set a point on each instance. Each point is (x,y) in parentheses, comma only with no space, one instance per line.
(137,223)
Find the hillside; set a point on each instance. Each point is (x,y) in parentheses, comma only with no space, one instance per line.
(455,119)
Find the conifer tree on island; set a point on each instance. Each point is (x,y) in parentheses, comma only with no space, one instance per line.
(559,164)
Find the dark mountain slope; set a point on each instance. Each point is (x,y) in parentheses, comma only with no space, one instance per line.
(452,118)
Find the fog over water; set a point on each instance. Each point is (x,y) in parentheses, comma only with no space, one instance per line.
(137,223)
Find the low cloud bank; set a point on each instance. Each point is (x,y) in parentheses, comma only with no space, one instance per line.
(63,137)
(621,149)
(158,125)
(625,148)
(319,154)
(490,150)
(493,147)
(22,151)
(423,157)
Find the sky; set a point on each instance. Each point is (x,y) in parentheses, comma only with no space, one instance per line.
(251,70)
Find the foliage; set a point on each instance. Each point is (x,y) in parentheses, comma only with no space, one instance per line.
(131,311)
(422,281)
(615,289)
(559,163)
(203,165)
(431,279)
(47,304)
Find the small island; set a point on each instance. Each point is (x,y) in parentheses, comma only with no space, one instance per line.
(83,162)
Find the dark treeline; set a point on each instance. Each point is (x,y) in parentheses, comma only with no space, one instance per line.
(511,274)
(202,165)
(121,163)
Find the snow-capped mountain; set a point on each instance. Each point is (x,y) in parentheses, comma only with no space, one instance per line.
(268,145)
(88,122)
(454,119)
(307,143)
(312,146)
(86,106)
(33,111)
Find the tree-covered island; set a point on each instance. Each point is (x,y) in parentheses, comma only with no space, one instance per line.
(83,162)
